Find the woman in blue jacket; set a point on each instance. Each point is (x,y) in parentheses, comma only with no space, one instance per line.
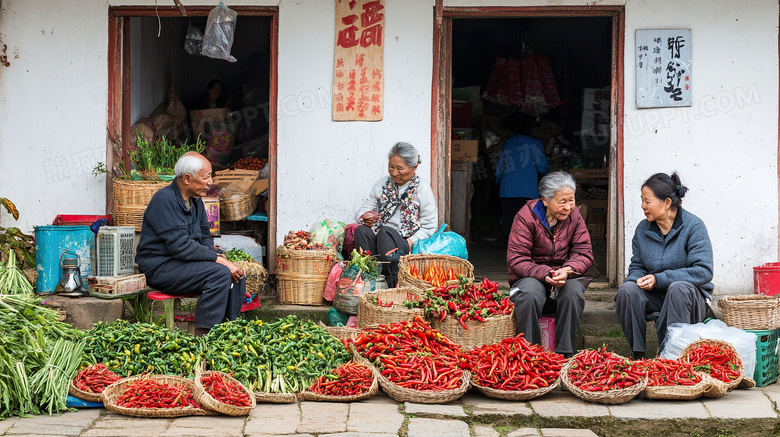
(671,266)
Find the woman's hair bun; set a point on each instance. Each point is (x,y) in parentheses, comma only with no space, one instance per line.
(680,191)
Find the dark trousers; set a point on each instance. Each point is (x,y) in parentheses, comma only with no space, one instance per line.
(218,301)
(682,302)
(379,244)
(533,297)
(509,208)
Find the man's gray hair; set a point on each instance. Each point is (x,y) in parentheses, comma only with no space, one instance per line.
(188,164)
(407,152)
(554,182)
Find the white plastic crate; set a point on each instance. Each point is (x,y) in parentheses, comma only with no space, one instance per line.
(115,251)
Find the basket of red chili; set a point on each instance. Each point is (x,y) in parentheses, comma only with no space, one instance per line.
(353,381)
(414,363)
(717,358)
(424,271)
(152,396)
(221,393)
(752,311)
(89,383)
(672,380)
(388,306)
(515,370)
(597,375)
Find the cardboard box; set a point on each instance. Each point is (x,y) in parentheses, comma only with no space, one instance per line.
(212,214)
(465,150)
(261,185)
(238,181)
(596,211)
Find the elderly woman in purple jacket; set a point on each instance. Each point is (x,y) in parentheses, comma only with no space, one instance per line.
(549,248)
(671,265)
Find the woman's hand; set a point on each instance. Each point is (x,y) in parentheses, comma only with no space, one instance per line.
(235,272)
(369,218)
(646,282)
(410,244)
(557,278)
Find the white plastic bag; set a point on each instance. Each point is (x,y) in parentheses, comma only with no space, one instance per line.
(220,28)
(680,335)
(328,232)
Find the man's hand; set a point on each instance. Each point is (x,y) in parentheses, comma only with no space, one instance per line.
(557,278)
(235,273)
(646,282)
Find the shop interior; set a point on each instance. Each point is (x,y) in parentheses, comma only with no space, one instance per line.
(551,75)
(183,95)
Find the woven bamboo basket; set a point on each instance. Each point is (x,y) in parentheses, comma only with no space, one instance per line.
(275,398)
(746,382)
(371,314)
(83,395)
(402,394)
(423,261)
(516,395)
(309,396)
(740,365)
(610,397)
(341,332)
(115,390)
(130,200)
(494,329)
(752,311)
(204,399)
(679,392)
(238,207)
(302,275)
(715,388)
(256,275)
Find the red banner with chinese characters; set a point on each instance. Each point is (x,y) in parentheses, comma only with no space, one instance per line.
(359,62)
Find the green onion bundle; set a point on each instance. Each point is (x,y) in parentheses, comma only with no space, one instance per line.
(12,280)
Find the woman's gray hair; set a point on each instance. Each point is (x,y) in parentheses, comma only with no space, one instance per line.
(407,152)
(554,182)
(188,164)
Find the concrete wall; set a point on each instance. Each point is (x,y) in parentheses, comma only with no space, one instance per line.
(53,115)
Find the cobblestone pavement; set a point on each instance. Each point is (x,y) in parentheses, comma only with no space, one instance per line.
(740,412)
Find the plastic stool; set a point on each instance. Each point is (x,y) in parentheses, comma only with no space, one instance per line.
(170,303)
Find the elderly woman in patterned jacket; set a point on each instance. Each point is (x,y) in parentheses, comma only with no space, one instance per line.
(399,212)
(549,250)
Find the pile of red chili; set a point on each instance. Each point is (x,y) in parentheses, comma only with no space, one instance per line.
(350,379)
(515,364)
(148,393)
(224,390)
(599,370)
(466,301)
(665,372)
(413,355)
(718,359)
(95,378)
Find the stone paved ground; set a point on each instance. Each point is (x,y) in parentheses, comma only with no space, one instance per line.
(742,412)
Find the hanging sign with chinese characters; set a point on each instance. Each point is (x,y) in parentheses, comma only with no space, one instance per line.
(663,68)
(358,73)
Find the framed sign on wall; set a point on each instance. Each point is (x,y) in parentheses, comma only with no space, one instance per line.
(663,68)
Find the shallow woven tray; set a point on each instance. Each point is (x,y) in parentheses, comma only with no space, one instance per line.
(83,395)
(402,394)
(309,396)
(740,365)
(516,395)
(494,329)
(679,392)
(341,332)
(422,261)
(610,397)
(753,311)
(275,398)
(746,382)
(370,314)
(231,210)
(113,391)
(204,399)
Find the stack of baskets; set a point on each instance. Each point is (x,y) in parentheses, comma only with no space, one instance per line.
(752,311)
(370,313)
(130,200)
(302,275)
(423,261)
(238,206)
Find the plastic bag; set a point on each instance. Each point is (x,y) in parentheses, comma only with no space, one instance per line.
(351,285)
(443,243)
(193,42)
(220,28)
(331,285)
(680,335)
(328,232)
(336,318)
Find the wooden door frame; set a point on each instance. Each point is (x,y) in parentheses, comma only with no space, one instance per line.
(119,88)
(441,101)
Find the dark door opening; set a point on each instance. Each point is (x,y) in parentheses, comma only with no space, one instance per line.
(545,77)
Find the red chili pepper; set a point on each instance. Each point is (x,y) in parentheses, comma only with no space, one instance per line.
(599,370)
(95,378)
(718,359)
(148,393)
(225,391)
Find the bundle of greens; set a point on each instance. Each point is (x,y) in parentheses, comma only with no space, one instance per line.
(12,280)
(366,262)
(235,254)
(159,158)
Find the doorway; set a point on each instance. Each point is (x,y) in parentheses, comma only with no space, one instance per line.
(545,75)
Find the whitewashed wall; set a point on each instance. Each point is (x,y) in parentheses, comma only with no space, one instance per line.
(53,115)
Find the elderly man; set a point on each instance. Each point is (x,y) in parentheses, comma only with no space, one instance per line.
(176,251)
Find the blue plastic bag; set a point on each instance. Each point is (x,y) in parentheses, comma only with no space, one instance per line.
(443,243)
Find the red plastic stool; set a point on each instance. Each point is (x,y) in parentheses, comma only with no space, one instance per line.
(171,302)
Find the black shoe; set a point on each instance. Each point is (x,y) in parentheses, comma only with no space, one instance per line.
(568,355)
(638,355)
